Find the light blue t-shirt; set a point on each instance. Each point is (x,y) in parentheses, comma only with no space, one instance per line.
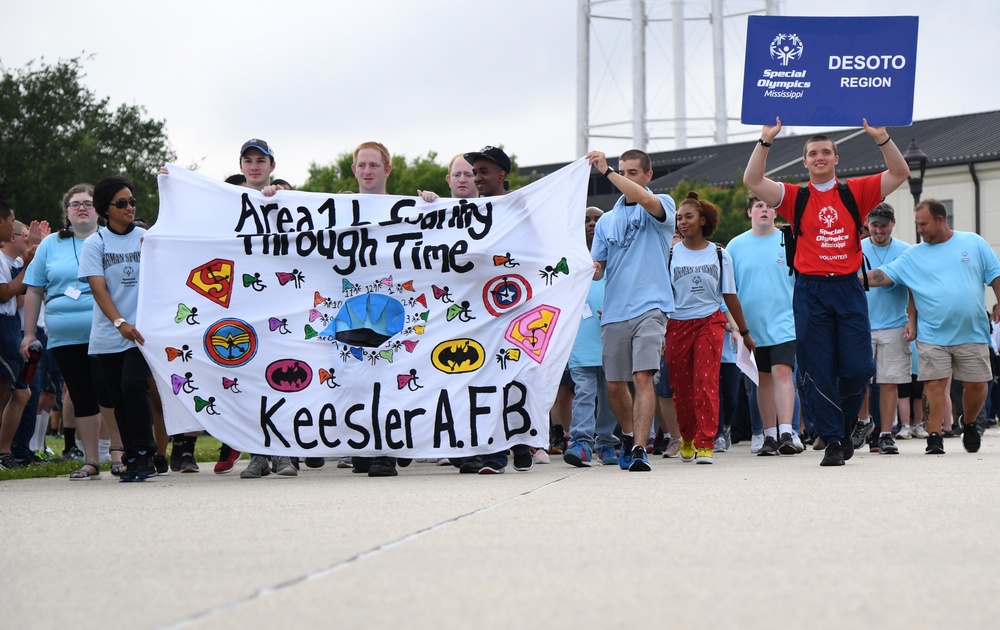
(586,350)
(886,305)
(764,287)
(694,277)
(116,258)
(946,281)
(55,269)
(728,354)
(634,246)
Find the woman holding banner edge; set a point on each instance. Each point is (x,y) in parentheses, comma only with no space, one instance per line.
(113,338)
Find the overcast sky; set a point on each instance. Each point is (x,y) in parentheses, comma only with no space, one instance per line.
(315,78)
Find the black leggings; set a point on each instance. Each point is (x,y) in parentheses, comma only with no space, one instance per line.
(81,375)
(126,376)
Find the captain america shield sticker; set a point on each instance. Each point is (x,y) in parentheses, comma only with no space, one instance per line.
(505,292)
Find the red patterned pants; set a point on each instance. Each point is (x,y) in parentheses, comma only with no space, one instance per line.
(694,354)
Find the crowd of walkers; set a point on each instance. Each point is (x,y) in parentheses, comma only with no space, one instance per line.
(819,331)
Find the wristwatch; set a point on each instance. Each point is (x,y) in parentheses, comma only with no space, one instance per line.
(118,322)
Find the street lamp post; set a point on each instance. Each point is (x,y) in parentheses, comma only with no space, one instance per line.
(916,159)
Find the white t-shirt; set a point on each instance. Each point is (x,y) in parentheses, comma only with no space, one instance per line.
(6,263)
(694,277)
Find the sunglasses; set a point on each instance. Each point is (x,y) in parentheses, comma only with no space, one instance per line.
(122,203)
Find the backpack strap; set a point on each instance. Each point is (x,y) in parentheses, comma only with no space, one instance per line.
(801,199)
(850,203)
(718,252)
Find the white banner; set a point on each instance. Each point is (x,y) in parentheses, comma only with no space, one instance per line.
(330,325)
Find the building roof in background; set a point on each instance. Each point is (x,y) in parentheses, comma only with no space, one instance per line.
(954,140)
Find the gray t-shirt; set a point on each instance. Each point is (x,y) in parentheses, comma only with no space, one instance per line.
(116,258)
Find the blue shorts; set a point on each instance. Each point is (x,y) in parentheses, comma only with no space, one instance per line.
(10,347)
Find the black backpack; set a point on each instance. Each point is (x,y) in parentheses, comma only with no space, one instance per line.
(790,233)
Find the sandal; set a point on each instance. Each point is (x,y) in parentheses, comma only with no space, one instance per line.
(82,474)
(117,468)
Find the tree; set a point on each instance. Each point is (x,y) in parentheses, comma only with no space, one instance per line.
(56,133)
(423,173)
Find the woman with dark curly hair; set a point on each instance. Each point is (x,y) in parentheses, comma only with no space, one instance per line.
(701,276)
(110,263)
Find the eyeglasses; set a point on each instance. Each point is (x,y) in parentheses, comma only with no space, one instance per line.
(121,203)
(76,205)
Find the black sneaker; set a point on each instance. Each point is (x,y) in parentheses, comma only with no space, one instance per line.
(470,465)
(971,439)
(144,468)
(847,444)
(382,467)
(785,444)
(315,462)
(7,462)
(886,446)
(770,447)
(161,465)
(834,455)
(361,464)
(861,432)
(935,444)
(175,457)
(490,467)
(188,465)
(523,461)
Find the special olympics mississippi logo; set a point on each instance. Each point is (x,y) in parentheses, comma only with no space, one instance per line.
(786,48)
(230,342)
(828,216)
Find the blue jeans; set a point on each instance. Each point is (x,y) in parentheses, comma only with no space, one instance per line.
(593,422)
(729,391)
(834,351)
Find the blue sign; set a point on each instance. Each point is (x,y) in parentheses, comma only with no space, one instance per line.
(830,71)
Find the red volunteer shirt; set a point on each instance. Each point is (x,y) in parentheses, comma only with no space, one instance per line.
(829,243)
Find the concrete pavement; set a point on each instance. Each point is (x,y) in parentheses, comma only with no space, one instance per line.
(749,542)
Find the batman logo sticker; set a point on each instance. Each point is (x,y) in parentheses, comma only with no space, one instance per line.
(458,355)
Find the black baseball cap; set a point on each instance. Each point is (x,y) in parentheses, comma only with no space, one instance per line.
(883,213)
(256,143)
(493,154)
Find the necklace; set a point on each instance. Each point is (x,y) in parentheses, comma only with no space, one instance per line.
(881,259)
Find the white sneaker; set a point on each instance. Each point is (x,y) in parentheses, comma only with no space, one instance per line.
(444,461)
(540,456)
(919,431)
(797,442)
(756,441)
(905,432)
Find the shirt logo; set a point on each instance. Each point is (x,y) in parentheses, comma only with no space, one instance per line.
(828,216)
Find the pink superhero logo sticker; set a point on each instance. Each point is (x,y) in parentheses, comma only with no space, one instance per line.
(532,331)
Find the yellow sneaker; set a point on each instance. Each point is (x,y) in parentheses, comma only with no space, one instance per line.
(703,456)
(687,450)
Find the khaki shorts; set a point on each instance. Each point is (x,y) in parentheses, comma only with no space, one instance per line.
(968,362)
(892,356)
(634,345)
